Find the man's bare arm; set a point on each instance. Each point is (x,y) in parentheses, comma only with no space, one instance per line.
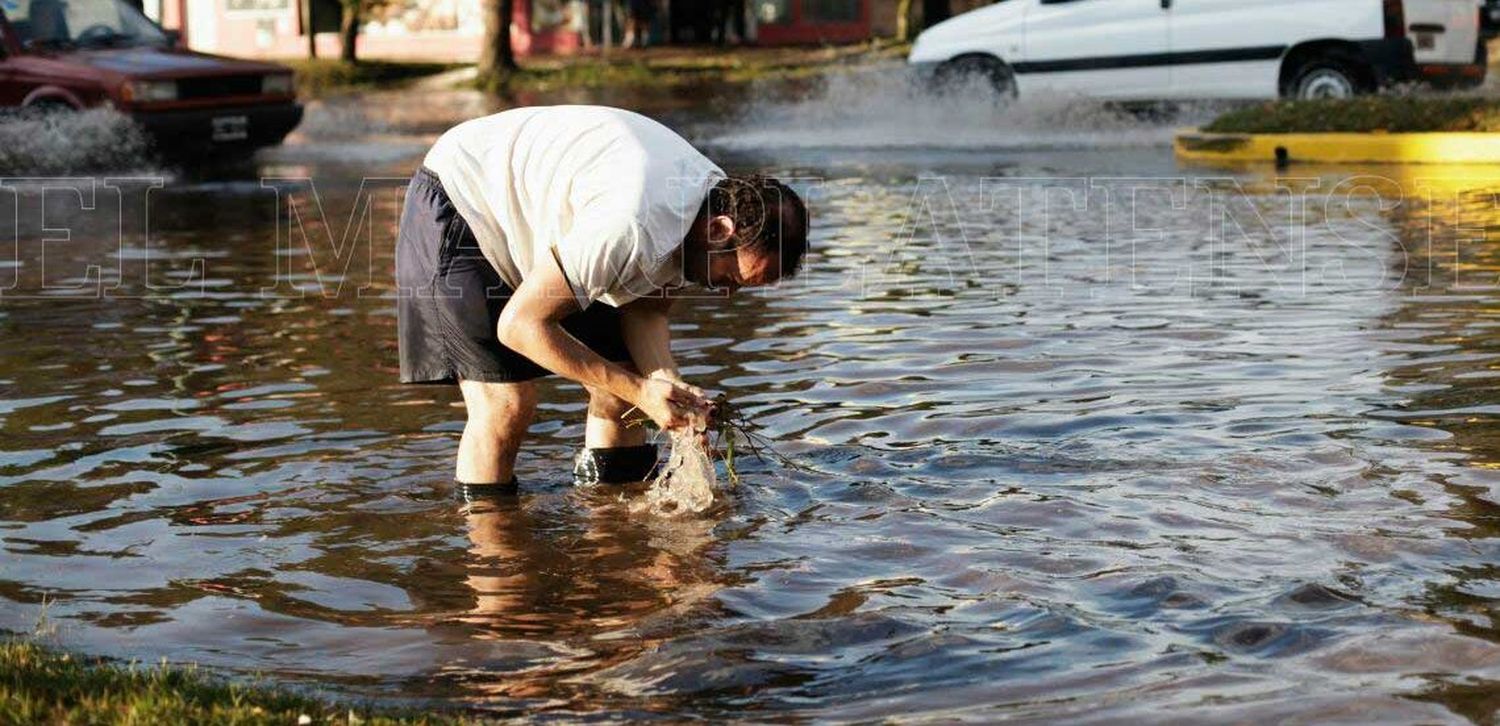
(648,335)
(531,324)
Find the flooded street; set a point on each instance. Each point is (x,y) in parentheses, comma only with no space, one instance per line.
(1088,435)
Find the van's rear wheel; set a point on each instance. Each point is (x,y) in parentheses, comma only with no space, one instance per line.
(1329,76)
(971,69)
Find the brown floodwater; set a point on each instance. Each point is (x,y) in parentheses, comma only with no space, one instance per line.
(1088,436)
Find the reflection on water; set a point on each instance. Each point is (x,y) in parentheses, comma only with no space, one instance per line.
(1203,464)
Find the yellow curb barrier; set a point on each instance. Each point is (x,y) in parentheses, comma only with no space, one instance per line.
(1340,148)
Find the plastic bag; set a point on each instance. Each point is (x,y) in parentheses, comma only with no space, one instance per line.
(686,484)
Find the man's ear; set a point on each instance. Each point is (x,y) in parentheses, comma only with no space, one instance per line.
(720,229)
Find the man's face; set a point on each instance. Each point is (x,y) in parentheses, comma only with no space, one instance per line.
(725,265)
(733,269)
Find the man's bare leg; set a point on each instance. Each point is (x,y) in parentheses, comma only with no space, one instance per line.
(614,451)
(499,414)
(608,426)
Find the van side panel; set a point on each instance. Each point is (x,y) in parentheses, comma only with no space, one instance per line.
(1236,80)
(1260,32)
(1212,48)
(1102,48)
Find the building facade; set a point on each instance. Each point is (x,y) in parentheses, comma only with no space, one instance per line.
(452,30)
(439,30)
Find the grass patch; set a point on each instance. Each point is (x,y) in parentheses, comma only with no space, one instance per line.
(316,77)
(38,685)
(1392,114)
(654,68)
(675,67)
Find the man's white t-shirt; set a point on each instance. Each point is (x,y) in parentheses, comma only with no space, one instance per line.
(611,193)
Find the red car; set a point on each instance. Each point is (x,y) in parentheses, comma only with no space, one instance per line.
(75,54)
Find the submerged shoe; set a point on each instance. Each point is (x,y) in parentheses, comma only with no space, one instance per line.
(614,465)
(477,492)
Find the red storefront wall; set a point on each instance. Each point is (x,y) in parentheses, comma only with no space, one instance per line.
(801,29)
(526,42)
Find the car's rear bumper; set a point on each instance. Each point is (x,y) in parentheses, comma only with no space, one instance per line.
(1393,61)
(223,128)
(1452,75)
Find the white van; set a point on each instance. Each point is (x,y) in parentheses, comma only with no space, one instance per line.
(1180,49)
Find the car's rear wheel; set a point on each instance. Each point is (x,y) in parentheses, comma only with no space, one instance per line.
(967,70)
(1329,76)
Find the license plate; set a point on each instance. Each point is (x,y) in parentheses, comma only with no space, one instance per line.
(231,128)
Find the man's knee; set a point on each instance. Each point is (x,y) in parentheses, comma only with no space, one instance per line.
(505,408)
(607,406)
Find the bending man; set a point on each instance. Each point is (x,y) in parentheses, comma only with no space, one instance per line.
(547,240)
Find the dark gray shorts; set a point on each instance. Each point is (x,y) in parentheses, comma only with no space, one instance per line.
(450,298)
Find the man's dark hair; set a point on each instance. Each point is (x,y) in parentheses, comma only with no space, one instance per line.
(769,218)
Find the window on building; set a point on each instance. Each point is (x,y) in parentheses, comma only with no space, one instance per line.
(404,17)
(831,11)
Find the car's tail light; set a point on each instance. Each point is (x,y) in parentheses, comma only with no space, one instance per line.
(1395,19)
(277,84)
(147,91)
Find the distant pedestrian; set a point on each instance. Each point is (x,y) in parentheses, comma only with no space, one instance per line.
(578,21)
(638,23)
(729,21)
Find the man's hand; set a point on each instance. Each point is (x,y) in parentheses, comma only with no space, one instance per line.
(673,405)
(672,377)
(708,401)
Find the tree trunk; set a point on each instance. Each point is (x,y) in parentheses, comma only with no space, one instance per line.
(349,31)
(497,57)
(903,20)
(307,22)
(935,11)
(607,26)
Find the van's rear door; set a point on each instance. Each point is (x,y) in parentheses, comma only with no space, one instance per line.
(1443,31)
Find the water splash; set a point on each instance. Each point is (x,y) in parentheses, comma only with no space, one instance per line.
(686,484)
(889,106)
(68,142)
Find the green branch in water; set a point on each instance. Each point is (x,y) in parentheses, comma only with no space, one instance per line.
(728,424)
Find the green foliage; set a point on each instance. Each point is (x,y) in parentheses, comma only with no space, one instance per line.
(576,75)
(316,77)
(670,68)
(1392,114)
(40,686)
(656,68)
(728,424)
